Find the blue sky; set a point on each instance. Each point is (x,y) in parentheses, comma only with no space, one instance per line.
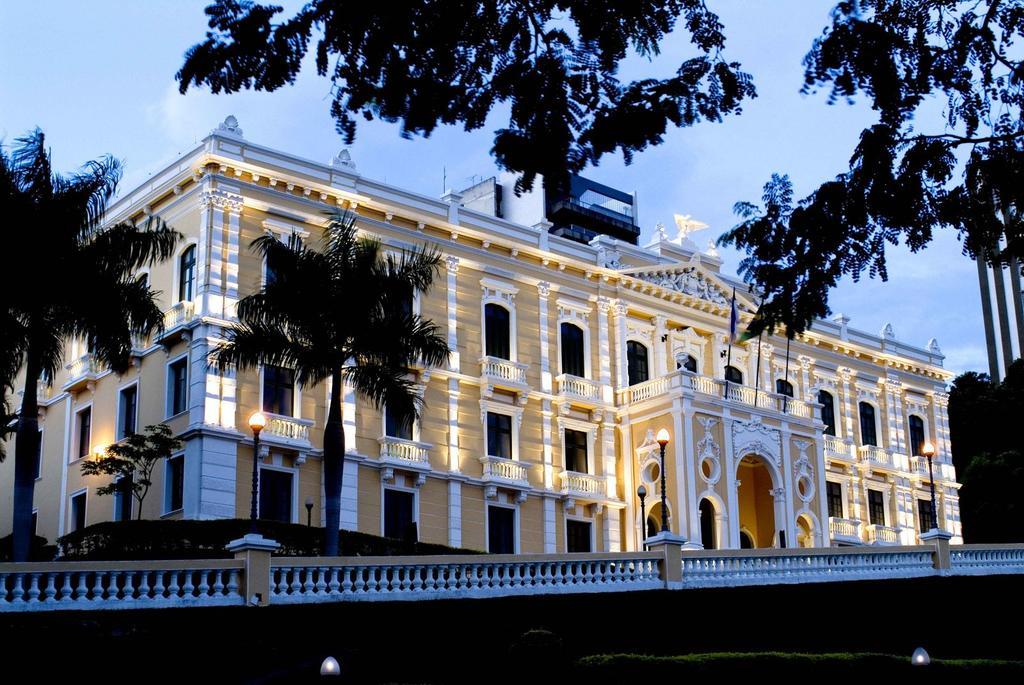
(98,77)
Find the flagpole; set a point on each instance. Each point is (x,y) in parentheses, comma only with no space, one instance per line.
(732,334)
(757,372)
(786,397)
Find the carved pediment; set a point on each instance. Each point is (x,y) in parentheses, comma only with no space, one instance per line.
(691,279)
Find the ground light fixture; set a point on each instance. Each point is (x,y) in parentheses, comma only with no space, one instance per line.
(330,667)
(920,657)
(663,438)
(256,423)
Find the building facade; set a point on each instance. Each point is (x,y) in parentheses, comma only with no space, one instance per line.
(568,358)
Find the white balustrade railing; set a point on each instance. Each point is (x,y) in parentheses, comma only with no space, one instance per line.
(872,454)
(503,370)
(505,470)
(415,578)
(574,386)
(120,585)
(404,451)
(882,535)
(179,314)
(984,560)
(84,366)
(647,390)
(705,385)
(287,427)
(843,529)
(837,447)
(583,484)
(770,567)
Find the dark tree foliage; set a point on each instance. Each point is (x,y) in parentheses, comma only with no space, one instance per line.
(437,62)
(988,453)
(911,173)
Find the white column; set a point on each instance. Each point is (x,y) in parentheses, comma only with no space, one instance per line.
(789,489)
(731,484)
(454,464)
(613,533)
(805,377)
(849,404)
(452,263)
(454,513)
(211,290)
(543,290)
(231,262)
(633,536)
(621,359)
(940,424)
(550,522)
(604,350)
(682,416)
(547,438)
(660,364)
(349,495)
(209,205)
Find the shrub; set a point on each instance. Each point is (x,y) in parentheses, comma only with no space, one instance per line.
(40,550)
(190,539)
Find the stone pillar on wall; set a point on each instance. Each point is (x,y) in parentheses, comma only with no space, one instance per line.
(612,526)
(452,265)
(660,363)
(543,290)
(731,483)
(621,359)
(894,413)
(604,351)
(848,403)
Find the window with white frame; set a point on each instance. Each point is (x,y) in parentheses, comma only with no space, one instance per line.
(278,390)
(123,499)
(573,350)
(497,331)
(868,424)
(636,362)
(917,438)
(174,483)
(39,456)
(579,536)
(187,274)
(576,447)
(501,529)
(499,435)
(177,386)
(275,496)
(83,433)
(400,514)
(828,411)
(398,425)
(77,511)
(127,411)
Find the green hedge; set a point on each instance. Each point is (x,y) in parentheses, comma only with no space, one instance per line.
(188,539)
(844,667)
(41,549)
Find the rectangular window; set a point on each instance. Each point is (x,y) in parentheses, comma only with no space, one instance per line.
(84,433)
(123,500)
(916,435)
(398,515)
(501,530)
(275,495)
(835,499)
(35,522)
(39,456)
(868,433)
(876,507)
(177,386)
(396,426)
(128,410)
(636,362)
(497,332)
(575,451)
(278,390)
(78,511)
(499,435)
(925,515)
(577,536)
(174,484)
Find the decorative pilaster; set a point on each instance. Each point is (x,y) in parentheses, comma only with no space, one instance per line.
(660,363)
(547,439)
(731,483)
(849,403)
(805,377)
(604,350)
(454,513)
(231,256)
(621,358)
(452,264)
(550,521)
(453,426)
(894,413)
(543,290)
(789,516)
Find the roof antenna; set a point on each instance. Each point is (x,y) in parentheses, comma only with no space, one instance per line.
(444,179)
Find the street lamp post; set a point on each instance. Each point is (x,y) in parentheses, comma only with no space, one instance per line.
(663,439)
(641,492)
(309,512)
(929,451)
(256,422)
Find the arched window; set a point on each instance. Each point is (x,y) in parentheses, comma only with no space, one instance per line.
(497,336)
(572,350)
(689,362)
(733,375)
(868,432)
(746,542)
(784,387)
(707,524)
(636,354)
(187,274)
(828,411)
(916,435)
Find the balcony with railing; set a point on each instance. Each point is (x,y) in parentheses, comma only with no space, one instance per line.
(873,455)
(844,530)
(882,535)
(503,373)
(82,372)
(838,448)
(405,454)
(287,430)
(578,389)
(177,320)
(509,473)
(583,485)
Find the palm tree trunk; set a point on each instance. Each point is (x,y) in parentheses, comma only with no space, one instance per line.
(26,446)
(334,455)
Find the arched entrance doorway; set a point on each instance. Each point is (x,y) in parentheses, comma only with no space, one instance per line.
(653,525)
(756,502)
(804,531)
(708,525)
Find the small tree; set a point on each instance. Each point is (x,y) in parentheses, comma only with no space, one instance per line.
(133,459)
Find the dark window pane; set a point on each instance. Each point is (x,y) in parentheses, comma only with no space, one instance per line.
(573,362)
(178,382)
(868,435)
(275,495)
(784,387)
(577,535)
(396,426)
(916,435)
(501,530)
(175,483)
(497,333)
(84,432)
(499,435)
(828,411)
(575,451)
(187,274)
(925,515)
(123,500)
(876,508)
(39,455)
(689,363)
(78,511)
(834,493)
(707,524)
(278,390)
(733,375)
(129,409)
(636,358)
(398,515)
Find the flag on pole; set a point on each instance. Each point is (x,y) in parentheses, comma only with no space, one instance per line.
(734,319)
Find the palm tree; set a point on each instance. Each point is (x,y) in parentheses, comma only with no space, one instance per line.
(339,313)
(82,285)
